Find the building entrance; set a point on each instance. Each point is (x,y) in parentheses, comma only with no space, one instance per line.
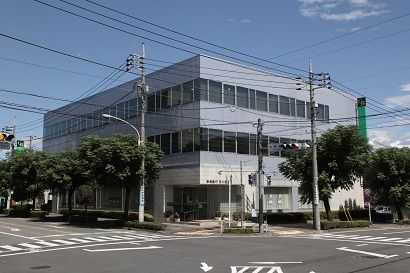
(191,202)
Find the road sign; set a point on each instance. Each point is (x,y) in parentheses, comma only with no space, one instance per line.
(5,145)
(367,199)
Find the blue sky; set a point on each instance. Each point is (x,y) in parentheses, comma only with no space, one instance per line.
(373,61)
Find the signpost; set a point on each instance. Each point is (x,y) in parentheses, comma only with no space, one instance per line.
(368,200)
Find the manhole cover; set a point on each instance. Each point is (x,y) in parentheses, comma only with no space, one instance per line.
(40,267)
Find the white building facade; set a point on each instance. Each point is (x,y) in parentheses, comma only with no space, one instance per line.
(202,112)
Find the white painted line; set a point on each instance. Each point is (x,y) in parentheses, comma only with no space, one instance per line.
(55,226)
(362,245)
(119,249)
(79,240)
(65,242)
(94,239)
(47,243)
(396,232)
(11,228)
(391,239)
(275,262)
(404,241)
(375,238)
(29,245)
(11,248)
(15,235)
(71,234)
(123,237)
(367,253)
(108,238)
(342,240)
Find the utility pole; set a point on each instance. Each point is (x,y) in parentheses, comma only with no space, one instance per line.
(242,195)
(316,212)
(260,175)
(229,200)
(143,91)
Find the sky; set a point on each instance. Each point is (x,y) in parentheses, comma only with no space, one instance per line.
(362,44)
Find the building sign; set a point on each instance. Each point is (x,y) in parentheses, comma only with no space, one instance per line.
(215,181)
(362,118)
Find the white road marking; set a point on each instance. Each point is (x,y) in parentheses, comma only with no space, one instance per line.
(367,253)
(47,243)
(11,228)
(95,239)
(65,242)
(119,249)
(11,248)
(79,240)
(404,241)
(72,234)
(362,245)
(29,245)
(396,232)
(123,237)
(55,226)
(315,237)
(374,238)
(391,239)
(33,227)
(275,262)
(15,235)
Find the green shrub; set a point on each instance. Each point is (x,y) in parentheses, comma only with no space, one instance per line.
(239,230)
(112,214)
(344,224)
(247,216)
(38,213)
(363,214)
(309,215)
(291,217)
(404,222)
(146,225)
(46,207)
(19,213)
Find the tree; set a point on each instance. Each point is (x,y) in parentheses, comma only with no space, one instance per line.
(64,173)
(116,162)
(342,157)
(388,175)
(86,195)
(24,174)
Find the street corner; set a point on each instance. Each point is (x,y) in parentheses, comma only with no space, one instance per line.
(197,233)
(288,232)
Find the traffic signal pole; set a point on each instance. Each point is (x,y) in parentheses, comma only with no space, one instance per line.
(316,212)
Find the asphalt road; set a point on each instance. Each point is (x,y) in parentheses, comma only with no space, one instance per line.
(30,246)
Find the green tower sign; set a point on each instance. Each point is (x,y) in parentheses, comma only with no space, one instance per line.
(361,112)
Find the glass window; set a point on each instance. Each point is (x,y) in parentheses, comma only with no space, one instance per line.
(292,105)
(83,121)
(229,142)
(176,95)
(151,139)
(252,99)
(68,122)
(165,98)
(252,144)
(63,128)
(320,111)
(265,142)
(176,143)
(74,125)
(243,143)
(120,110)
(105,111)
(285,140)
(273,103)
(158,140)
(113,112)
(165,143)
(215,140)
(300,109)
(57,129)
(200,89)
(133,108)
(89,121)
(242,97)
(151,103)
(229,94)
(187,92)
(284,105)
(204,139)
(327,112)
(215,91)
(261,102)
(273,141)
(157,101)
(187,141)
(197,139)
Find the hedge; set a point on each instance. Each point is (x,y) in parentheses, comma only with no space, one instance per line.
(344,224)
(290,217)
(309,215)
(113,214)
(404,222)
(239,230)
(26,214)
(363,214)
(145,225)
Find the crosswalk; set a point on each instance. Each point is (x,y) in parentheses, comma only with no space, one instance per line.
(365,238)
(88,240)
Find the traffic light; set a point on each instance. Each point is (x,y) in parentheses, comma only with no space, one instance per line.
(5,137)
(269,180)
(130,63)
(250,179)
(292,146)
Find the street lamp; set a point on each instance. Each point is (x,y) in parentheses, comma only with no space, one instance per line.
(142,187)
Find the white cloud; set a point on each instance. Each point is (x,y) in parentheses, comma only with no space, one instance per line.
(405,86)
(390,138)
(341,10)
(230,20)
(398,101)
(355,29)
(245,21)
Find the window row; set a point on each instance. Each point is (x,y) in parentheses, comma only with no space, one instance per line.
(213,140)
